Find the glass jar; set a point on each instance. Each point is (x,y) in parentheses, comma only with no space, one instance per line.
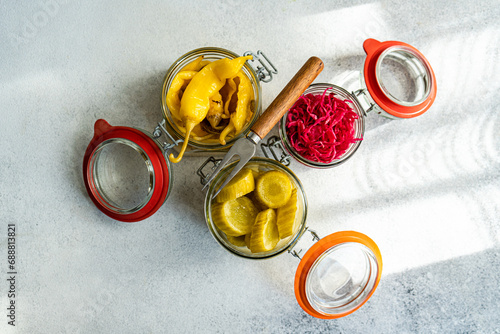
(359,126)
(261,73)
(262,165)
(397,82)
(336,275)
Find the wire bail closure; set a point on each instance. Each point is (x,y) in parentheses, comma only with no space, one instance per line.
(272,148)
(205,177)
(366,106)
(298,254)
(166,146)
(266,69)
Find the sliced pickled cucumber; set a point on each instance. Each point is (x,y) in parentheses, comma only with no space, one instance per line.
(287,214)
(237,241)
(273,189)
(241,184)
(255,173)
(234,217)
(265,234)
(258,205)
(248,237)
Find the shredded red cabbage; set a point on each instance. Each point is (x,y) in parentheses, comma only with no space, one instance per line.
(321,127)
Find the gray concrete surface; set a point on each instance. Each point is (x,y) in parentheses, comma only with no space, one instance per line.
(425,189)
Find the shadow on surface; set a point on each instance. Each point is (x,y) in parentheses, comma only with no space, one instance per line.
(460,295)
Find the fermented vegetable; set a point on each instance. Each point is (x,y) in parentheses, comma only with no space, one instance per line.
(204,85)
(321,128)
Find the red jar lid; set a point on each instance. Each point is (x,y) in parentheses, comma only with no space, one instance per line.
(125,172)
(415,66)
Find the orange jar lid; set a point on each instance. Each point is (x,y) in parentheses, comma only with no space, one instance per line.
(338,274)
(387,65)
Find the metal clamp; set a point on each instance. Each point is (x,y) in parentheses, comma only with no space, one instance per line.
(161,130)
(205,177)
(272,147)
(266,69)
(363,92)
(297,254)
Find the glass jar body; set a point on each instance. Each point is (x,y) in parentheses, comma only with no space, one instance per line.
(209,54)
(260,165)
(359,126)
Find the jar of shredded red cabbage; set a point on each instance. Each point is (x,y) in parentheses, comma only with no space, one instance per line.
(324,127)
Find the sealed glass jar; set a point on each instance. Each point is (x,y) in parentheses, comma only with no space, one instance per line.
(397,82)
(336,275)
(263,71)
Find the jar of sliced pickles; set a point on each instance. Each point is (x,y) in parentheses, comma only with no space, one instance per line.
(264,188)
(262,213)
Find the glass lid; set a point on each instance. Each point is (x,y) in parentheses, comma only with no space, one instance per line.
(125,172)
(338,274)
(399,78)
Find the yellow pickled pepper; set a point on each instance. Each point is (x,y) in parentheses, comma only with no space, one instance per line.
(216,111)
(195,101)
(195,65)
(239,117)
(180,82)
(227,94)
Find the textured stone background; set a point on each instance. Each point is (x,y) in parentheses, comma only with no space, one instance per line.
(425,189)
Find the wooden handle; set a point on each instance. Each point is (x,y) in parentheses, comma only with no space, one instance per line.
(288,96)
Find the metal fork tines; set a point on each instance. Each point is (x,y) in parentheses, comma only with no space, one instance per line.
(244,148)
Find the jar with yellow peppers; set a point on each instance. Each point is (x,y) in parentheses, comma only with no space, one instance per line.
(127,171)
(231,93)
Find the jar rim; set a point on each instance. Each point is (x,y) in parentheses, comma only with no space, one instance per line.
(159,169)
(422,66)
(96,183)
